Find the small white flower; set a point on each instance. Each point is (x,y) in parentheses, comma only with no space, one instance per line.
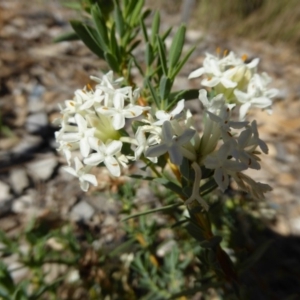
(163,116)
(81,173)
(81,136)
(171,144)
(118,113)
(223,166)
(105,154)
(257,94)
(212,105)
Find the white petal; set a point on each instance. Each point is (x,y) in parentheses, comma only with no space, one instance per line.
(221,179)
(211,82)
(228,83)
(71,171)
(186,136)
(94,159)
(81,122)
(167,132)
(84,147)
(94,143)
(178,109)
(84,185)
(78,164)
(118,101)
(112,165)
(253,63)
(243,110)
(157,150)
(241,97)
(175,155)
(235,166)
(133,111)
(203,97)
(197,73)
(162,115)
(113,148)
(118,121)
(70,137)
(261,102)
(107,111)
(89,178)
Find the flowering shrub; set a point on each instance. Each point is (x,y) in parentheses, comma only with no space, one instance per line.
(95,125)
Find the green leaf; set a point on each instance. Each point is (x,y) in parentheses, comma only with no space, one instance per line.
(162,55)
(134,18)
(164,208)
(153,93)
(176,47)
(183,94)
(114,47)
(100,27)
(149,178)
(134,45)
(166,33)
(120,24)
(208,187)
(112,61)
(144,31)
(165,86)
(155,27)
(87,35)
(68,36)
(170,185)
(182,63)
(149,54)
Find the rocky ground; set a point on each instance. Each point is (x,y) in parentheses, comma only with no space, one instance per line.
(36,75)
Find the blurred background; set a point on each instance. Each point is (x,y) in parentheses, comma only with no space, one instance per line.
(37,74)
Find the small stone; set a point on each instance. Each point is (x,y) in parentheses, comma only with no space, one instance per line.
(42,169)
(82,210)
(22,204)
(27,143)
(4,192)
(18,179)
(36,121)
(35,102)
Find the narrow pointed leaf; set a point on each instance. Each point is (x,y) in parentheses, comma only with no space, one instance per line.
(114,43)
(112,61)
(101,27)
(119,19)
(149,54)
(155,27)
(170,185)
(68,36)
(177,46)
(182,63)
(144,30)
(134,18)
(86,34)
(166,33)
(162,55)
(164,208)
(153,93)
(165,87)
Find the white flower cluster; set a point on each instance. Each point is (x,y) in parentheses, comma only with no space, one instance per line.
(93,123)
(237,81)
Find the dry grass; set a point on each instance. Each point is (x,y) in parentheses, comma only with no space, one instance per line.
(264,19)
